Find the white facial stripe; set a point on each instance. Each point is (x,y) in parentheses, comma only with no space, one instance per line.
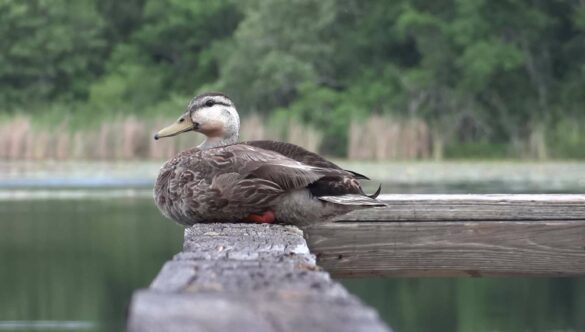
(221,100)
(218,99)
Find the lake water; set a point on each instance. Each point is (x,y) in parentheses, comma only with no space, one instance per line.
(76,241)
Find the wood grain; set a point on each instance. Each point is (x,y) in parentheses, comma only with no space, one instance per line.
(454,248)
(247,277)
(473,207)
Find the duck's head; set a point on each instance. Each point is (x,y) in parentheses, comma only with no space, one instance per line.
(212,114)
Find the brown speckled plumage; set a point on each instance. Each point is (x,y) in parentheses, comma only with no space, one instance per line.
(227,183)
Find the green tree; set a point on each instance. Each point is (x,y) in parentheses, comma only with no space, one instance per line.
(171,53)
(51,50)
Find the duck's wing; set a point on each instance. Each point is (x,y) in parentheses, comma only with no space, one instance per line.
(337,185)
(299,154)
(294,152)
(255,162)
(345,184)
(252,175)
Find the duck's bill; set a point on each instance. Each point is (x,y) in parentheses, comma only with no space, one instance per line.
(175,129)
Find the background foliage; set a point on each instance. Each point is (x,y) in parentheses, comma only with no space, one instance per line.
(490,78)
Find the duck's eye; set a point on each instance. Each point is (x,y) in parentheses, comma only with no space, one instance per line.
(181,120)
(209,103)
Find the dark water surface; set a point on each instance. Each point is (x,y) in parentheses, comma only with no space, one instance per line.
(78,261)
(71,264)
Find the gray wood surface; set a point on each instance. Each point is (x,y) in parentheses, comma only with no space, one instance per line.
(247,277)
(473,207)
(450,248)
(456,235)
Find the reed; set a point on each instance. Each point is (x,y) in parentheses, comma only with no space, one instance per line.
(124,138)
(292,131)
(303,135)
(374,138)
(385,138)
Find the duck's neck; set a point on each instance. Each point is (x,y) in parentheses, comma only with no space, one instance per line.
(214,142)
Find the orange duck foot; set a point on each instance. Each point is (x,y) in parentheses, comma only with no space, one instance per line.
(264,218)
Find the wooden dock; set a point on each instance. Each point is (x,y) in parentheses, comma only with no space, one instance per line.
(264,277)
(247,277)
(456,235)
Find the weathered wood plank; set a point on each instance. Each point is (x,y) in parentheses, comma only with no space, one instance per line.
(263,277)
(461,248)
(473,207)
(242,277)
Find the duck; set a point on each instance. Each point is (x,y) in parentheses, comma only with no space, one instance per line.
(263,181)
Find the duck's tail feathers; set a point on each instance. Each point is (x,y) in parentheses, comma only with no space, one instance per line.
(375,195)
(353,199)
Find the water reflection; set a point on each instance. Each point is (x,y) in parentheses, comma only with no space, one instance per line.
(80,260)
(482,304)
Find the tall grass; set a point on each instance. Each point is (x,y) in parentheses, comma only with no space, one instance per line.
(124,139)
(373,138)
(287,130)
(384,138)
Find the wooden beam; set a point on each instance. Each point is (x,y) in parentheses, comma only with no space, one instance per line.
(473,207)
(450,248)
(456,235)
(247,277)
